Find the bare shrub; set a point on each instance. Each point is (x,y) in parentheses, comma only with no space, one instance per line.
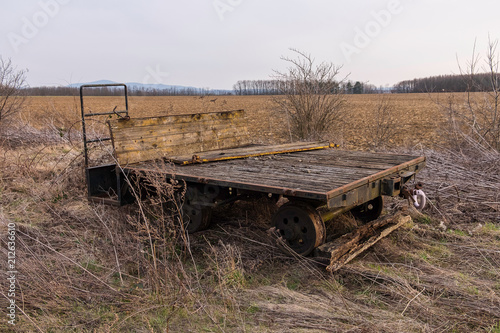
(474,123)
(310,96)
(12,82)
(45,125)
(383,123)
(19,133)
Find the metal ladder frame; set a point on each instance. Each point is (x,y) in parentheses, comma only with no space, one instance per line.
(85,115)
(103,178)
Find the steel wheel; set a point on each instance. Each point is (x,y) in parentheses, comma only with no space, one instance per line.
(300,226)
(370,210)
(196,217)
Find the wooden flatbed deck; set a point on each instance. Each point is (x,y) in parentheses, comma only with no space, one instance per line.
(322,175)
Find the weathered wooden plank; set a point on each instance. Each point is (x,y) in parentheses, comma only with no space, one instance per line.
(252,151)
(273,168)
(255,174)
(296,176)
(138,152)
(274,165)
(225,182)
(181,139)
(166,130)
(142,139)
(348,159)
(305,172)
(260,174)
(177,119)
(349,246)
(352,164)
(310,172)
(284,179)
(342,155)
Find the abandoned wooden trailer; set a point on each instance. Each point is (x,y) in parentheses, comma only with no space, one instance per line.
(214,155)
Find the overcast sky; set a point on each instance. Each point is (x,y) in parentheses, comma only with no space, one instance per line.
(214,43)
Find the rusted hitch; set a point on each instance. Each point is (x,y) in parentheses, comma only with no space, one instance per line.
(415,196)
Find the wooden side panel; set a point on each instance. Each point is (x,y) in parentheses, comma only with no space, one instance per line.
(143,139)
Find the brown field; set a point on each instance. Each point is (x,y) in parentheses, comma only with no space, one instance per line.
(416,116)
(88,268)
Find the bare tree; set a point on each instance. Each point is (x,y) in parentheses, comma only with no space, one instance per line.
(12,96)
(310,96)
(476,121)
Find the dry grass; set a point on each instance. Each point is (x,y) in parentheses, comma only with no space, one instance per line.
(92,268)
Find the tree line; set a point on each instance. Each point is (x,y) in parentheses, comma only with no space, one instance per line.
(243,87)
(447,83)
(440,83)
(276,87)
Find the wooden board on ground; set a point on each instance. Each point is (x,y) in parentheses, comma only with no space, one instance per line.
(347,247)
